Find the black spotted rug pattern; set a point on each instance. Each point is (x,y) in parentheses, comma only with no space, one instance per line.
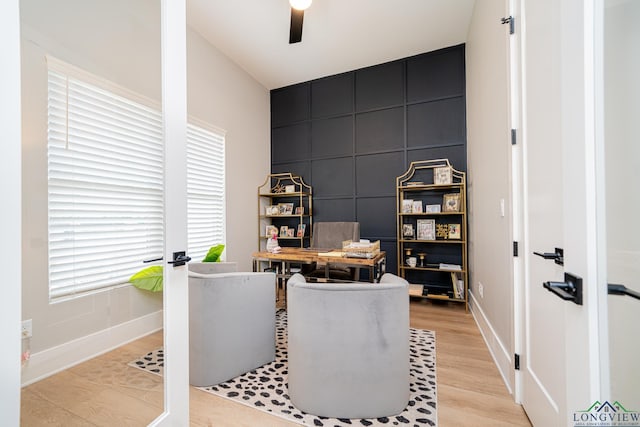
(265,388)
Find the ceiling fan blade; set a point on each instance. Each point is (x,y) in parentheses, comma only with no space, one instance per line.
(295,31)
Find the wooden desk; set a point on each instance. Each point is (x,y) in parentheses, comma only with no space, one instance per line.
(288,256)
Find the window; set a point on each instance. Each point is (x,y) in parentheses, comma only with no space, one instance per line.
(105,188)
(205,190)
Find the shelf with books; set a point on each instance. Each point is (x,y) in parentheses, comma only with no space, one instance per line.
(432,230)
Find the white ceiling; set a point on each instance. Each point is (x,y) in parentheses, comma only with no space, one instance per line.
(337,36)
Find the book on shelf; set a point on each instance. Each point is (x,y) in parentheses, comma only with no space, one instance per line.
(455,267)
(457,284)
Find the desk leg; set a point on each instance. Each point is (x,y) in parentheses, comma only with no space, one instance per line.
(379,268)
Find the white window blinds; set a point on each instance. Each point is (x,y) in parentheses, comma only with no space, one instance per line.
(105,186)
(205,190)
(105,189)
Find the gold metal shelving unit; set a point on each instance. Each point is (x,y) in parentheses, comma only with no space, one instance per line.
(440,249)
(280,190)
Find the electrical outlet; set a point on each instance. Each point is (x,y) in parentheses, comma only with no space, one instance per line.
(481,290)
(27,328)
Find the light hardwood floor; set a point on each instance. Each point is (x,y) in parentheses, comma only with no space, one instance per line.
(106,392)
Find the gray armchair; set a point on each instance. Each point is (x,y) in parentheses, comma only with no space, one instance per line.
(231,322)
(348,347)
(330,235)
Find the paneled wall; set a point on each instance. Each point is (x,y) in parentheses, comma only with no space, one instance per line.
(350,135)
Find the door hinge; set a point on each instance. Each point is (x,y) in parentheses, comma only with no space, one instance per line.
(511,21)
(514,139)
(515,248)
(516,358)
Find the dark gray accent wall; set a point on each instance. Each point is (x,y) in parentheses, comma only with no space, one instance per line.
(350,135)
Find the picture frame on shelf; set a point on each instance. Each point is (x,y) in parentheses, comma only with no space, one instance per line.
(301,230)
(283,230)
(426,229)
(442,175)
(451,202)
(289,188)
(433,208)
(454,231)
(271,231)
(407,206)
(417,206)
(285,208)
(272,210)
(290,232)
(408,231)
(299,210)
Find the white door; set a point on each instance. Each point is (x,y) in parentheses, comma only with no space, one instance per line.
(176,295)
(622,154)
(560,357)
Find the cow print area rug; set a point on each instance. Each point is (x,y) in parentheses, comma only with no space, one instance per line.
(265,388)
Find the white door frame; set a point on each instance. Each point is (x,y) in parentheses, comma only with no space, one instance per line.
(175,289)
(581,38)
(10,218)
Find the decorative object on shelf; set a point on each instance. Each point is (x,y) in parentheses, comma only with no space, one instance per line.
(407,231)
(442,176)
(299,210)
(279,188)
(412,261)
(440,230)
(289,188)
(283,231)
(451,202)
(301,230)
(422,256)
(407,254)
(426,229)
(272,240)
(454,231)
(272,210)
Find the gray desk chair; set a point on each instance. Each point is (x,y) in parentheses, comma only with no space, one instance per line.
(330,235)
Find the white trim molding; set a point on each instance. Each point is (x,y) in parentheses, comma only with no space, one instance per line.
(56,359)
(500,354)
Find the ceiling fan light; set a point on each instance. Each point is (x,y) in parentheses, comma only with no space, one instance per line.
(300,4)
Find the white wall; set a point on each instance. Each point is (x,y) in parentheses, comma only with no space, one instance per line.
(120,41)
(489,172)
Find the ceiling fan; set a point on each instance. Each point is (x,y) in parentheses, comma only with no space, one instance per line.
(297,16)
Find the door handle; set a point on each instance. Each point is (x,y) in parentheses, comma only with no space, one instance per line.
(557,256)
(622,290)
(179,258)
(569,290)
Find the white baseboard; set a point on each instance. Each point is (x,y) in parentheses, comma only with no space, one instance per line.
(53,360)
(500,354)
